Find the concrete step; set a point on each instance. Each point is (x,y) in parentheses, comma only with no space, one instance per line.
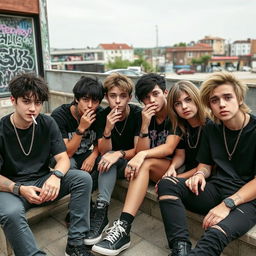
(246,245)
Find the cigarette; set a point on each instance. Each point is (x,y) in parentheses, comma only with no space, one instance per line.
(34,120)
(116,111)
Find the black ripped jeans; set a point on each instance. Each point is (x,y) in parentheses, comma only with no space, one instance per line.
(213,242)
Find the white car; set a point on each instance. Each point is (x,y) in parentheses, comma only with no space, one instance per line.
(126,72)
(230,69)
(246,68)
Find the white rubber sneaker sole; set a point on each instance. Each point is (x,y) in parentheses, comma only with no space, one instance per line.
(109,252)
(96,239)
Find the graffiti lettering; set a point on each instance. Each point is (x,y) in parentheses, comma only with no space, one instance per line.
(17,49)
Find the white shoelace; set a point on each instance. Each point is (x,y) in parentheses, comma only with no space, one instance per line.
(115,231)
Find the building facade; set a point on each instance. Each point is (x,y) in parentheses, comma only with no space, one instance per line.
(217,44)
(183,55)
(115,50)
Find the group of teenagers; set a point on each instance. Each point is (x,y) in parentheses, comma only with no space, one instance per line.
(197,146)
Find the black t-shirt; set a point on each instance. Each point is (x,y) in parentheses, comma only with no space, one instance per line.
(190,145)
(68,124)
(48,142)
(158,132)
(242,167)
(125,141)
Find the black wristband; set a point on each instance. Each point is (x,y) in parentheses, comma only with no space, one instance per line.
(106,137)
(77,131)
(122,152)
(143,135)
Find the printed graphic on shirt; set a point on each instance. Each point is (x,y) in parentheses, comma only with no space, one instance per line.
(87,140)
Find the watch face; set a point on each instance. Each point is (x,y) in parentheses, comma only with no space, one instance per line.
(230,203)
(58,174)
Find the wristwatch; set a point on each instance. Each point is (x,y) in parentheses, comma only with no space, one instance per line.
(16,189)
(58,174)
(143,135)
(229,202)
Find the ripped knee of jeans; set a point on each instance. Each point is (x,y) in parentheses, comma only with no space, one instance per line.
(220,229)
(167,197)
(166,188)
(171,178)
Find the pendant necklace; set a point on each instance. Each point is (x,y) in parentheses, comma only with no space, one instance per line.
(121,132)
(237,139)
(197,140)
(18,138)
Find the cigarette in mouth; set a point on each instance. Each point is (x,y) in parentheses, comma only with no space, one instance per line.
(116,110)
(34,120)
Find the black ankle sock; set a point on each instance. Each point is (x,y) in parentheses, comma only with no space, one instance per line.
(127,217)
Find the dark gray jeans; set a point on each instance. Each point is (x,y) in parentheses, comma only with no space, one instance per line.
(14,223)
(107,180)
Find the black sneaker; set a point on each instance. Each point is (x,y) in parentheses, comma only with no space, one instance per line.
(117,240)
(180,248)
(99,223)
(78,250)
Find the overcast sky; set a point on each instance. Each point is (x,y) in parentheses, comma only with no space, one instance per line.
(82,23)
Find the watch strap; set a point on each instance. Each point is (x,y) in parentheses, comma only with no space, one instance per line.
(16,189)
(143,135)
(58,174)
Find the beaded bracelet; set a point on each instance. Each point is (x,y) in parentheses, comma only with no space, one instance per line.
(199,172)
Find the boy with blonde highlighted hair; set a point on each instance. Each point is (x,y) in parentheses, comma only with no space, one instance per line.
(227,160)
(117,133)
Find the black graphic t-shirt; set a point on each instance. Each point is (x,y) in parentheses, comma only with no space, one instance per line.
(158,132)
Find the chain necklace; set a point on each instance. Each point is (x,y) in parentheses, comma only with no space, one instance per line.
(197,140)
(237,139)
(18,138)
(121,132)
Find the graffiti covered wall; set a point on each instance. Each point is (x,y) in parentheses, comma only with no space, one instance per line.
(17,48)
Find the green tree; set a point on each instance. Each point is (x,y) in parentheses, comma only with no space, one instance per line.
(147,67)
(118,63)
(181,44)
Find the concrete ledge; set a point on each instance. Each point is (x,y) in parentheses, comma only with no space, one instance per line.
(245,245)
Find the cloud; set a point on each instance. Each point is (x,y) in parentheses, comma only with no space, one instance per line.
(82,23)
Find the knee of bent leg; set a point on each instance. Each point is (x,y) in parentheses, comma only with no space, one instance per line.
(220,229)
(11,212)
(167,186)
(79,178)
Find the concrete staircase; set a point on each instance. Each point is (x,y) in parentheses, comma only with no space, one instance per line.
(244,246)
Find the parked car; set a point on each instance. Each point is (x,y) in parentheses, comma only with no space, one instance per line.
(216,68)
(185,71)
(230,69)
(127,72)
(246,68)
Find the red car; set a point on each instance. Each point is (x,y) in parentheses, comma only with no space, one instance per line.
(185,71)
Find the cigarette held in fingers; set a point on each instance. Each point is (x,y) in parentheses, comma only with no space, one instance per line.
(116,111)
(34,120)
